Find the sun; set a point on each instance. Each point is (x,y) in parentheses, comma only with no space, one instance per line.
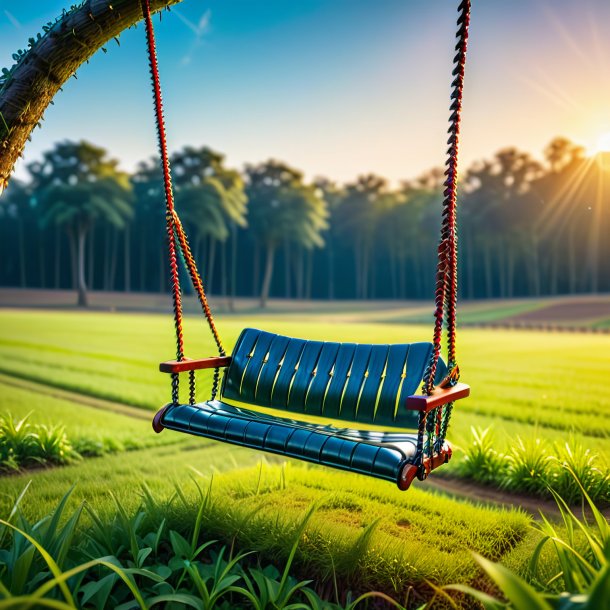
(603,143)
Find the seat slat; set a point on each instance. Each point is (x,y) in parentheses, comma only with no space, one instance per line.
(346,381)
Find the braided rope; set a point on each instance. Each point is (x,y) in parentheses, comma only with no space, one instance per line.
(169,194)
(175,232)
(198,285)
(446,274)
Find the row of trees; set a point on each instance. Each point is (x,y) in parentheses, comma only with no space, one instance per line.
(526,227)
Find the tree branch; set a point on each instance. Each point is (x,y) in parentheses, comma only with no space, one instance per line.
(30,85)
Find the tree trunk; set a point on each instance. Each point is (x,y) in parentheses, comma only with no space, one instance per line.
(51,61)
(21,239)
(57,261)
(223,268)
(233,266)
(287,273)
(300,272)
(510,272)
(268,275)
(106,268)
(83,300)
(73,258)
(42,261)
(142,273)
(161,270)
(211,265)
(331,269)
(113,259)
(488,271)
(256,269)
(127,260)
(572,266)
(91,270)
(309,274)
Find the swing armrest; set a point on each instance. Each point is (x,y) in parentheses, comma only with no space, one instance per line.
(179,366)
(440,396)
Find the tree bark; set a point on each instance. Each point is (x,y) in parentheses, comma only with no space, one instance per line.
(51,61)
(211,265)
(113,260)
(331,269)
(223,268)
(268,275)
(233,266)
(83,300)
(127,259)
(57,258)
(287,274)
(73,257)
(91,271)
(21,240)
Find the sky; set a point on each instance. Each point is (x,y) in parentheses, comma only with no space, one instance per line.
(336,88)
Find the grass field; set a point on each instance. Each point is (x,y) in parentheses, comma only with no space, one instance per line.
(525,383)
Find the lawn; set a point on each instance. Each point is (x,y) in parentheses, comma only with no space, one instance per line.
(523,382)
(366,532)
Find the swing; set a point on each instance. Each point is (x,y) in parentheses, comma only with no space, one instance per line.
(280,394)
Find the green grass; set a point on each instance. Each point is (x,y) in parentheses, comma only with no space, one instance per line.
(474,313)
(523,382)
(372,536)
(85,426)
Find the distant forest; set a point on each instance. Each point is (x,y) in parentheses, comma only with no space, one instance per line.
(526,228)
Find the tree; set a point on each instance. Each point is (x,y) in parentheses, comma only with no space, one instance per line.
(76,185)
(210,198)
(147,182)
(17,208)
(28,87)
(283,208)
(359,213)
(333,195)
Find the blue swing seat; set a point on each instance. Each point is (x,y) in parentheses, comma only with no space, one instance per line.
(296,379)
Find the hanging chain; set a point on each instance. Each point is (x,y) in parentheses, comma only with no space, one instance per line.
(175,232)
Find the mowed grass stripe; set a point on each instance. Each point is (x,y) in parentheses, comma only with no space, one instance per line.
(521,377)
(110,425)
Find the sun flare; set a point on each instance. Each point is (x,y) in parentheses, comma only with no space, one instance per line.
(603,143)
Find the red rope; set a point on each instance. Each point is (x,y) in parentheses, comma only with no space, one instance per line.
(167,182)
(176,236)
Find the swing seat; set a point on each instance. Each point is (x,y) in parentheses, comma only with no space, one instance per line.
(292,380)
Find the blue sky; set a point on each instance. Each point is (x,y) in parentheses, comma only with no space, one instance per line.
(336,87)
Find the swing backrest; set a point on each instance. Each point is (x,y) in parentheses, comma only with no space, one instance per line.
(342,381)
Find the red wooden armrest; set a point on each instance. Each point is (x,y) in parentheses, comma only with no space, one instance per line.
(440,396)
(179,366)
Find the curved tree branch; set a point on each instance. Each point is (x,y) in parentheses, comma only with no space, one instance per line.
(30,85)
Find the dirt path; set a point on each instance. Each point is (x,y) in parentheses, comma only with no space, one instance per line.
(81,399)
(458,488)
